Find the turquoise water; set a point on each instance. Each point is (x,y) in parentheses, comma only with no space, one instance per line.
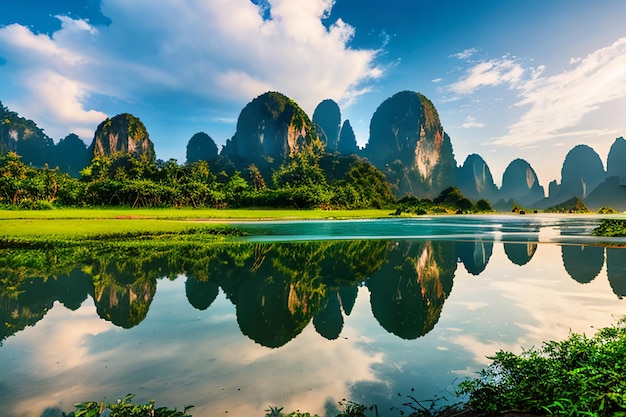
(303,314)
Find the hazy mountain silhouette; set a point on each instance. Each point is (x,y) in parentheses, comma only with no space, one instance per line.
(474,179)
(201,147)
(327,119)
(520,183)
(347,140)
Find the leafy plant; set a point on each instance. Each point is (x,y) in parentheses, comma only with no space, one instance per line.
(124,408)
(611,228)
(578,376)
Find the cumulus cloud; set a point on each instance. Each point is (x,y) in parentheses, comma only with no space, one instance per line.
(43,72)
(554,106)
(196,51)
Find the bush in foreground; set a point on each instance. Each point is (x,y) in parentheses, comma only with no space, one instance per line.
(575,377)
(611,228)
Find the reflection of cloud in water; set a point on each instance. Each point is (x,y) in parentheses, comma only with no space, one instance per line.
(544,303)
(49,353)
(183,363)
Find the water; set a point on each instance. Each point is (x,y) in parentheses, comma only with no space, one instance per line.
(301,314)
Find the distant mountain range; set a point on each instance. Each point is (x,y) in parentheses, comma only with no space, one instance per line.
(407,143)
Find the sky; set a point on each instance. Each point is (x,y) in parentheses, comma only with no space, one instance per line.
(512,79)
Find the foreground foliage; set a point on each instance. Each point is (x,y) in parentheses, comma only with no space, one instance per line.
(578,376)
(611,228)
(124,408)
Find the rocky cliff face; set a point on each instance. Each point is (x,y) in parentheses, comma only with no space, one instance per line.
(581,173)
(122,134)
(272,126)
(23,136)
(201,147)
(474,179)
(408,143)
(519,182)
(327,120)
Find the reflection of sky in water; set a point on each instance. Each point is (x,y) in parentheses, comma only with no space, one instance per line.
(180,355)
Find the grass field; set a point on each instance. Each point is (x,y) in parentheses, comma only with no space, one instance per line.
(76,223)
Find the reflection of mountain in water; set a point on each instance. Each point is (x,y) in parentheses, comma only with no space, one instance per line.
(36,296)
(474,255)
(583,263)
(616,270)
(121,296)
(277,289)
(201,294)
(408,291)
(520,253)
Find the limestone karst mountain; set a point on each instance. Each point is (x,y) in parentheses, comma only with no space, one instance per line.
(612,192)
(272,126)
(474,179)
(347,140)
(201,147)
(23,136)
(520,183)
(71,155)
(327,120)
(408,143)
(581,173)
(122,134)
(616,161)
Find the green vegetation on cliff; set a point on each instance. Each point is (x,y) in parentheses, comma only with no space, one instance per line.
(573,205)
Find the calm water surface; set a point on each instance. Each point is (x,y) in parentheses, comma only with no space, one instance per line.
(303,314)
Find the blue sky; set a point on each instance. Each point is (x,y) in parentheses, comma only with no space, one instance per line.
(510,79)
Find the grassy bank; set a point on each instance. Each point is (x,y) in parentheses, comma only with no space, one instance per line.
(190,214)
(87,223)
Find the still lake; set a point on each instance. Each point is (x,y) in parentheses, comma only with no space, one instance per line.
(304,314)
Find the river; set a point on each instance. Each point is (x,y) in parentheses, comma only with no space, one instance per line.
(302,315)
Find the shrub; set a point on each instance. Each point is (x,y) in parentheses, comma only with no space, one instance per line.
(577,376)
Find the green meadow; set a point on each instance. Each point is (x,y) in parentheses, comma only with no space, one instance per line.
(88,223)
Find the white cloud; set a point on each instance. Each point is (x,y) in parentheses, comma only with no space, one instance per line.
(194,51)
(467,53)
(42,71)
(554,106)
(558,104)
(490,73)
(470,122)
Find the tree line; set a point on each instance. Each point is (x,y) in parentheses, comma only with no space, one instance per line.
(124,180)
